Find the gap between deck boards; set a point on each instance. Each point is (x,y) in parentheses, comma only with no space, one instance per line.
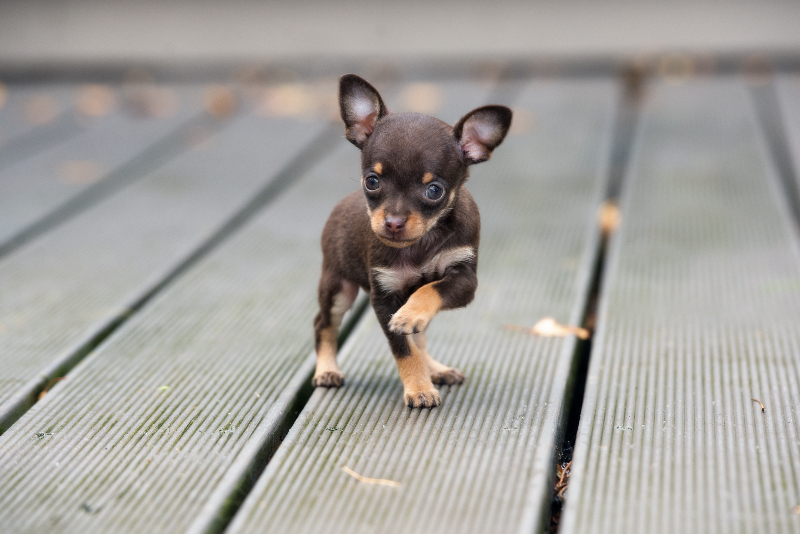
(259,462)
(775,130)
(627,118)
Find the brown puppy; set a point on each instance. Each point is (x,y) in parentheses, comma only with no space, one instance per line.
(412,243)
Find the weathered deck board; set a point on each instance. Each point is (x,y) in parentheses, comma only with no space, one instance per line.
(65,288)
(104,150)
(788,89)
(232,340)
(482,461)
(699,315)
(35,117)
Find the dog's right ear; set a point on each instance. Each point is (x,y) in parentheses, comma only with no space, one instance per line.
(361,107)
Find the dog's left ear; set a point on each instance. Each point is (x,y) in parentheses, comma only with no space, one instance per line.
(481,130)
(361,106)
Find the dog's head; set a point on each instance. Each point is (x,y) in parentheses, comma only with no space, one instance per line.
(413,165)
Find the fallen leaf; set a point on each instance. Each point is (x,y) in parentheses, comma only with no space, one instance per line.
(220,101)
(609,216)
(422,97)
(549,327)
(50,384)
(287,100)
(94,100)
(367,480)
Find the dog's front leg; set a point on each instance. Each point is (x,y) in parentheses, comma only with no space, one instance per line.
(418,390)
(455,290)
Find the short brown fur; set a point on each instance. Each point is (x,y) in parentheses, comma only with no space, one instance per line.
(403,237)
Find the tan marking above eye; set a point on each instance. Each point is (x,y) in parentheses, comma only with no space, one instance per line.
(427,178)
(378,168)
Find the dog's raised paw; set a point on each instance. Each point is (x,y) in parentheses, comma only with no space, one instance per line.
(422,399)
(328,379)
(406,323)
(449,377)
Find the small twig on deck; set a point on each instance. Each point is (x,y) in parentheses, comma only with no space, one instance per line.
(367,480)
(763,410)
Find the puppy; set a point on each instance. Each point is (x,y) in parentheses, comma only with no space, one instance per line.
(409,238)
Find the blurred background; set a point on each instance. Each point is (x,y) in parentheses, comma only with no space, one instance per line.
(70,34)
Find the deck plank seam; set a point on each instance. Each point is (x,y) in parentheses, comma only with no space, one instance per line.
(242,475)
(774,136)
(628,113)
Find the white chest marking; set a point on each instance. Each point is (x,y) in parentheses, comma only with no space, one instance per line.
(394,279)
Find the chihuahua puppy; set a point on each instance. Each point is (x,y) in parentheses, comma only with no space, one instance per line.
(409,238)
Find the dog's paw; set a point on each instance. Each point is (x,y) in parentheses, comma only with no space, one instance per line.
(328,379)
(449,376)
(422,399)
(407,321)
(413,316)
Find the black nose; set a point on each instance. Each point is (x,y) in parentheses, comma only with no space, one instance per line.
(394,224)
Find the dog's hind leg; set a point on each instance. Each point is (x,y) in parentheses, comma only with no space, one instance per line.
(335,298)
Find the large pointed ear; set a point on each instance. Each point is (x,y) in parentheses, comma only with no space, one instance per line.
(361,107)
(481,130)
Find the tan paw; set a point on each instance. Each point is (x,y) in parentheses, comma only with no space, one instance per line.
(407,321)
(328,379)
(422,399)
(449,376)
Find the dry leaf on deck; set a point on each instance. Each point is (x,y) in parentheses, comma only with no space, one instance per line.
(549,327)
(609,216)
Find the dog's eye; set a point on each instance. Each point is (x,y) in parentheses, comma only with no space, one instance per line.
(371,183)
(434,192)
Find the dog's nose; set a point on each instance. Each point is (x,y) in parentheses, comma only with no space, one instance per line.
(394,224)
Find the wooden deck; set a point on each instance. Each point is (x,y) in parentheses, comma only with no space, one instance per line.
(159,255)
